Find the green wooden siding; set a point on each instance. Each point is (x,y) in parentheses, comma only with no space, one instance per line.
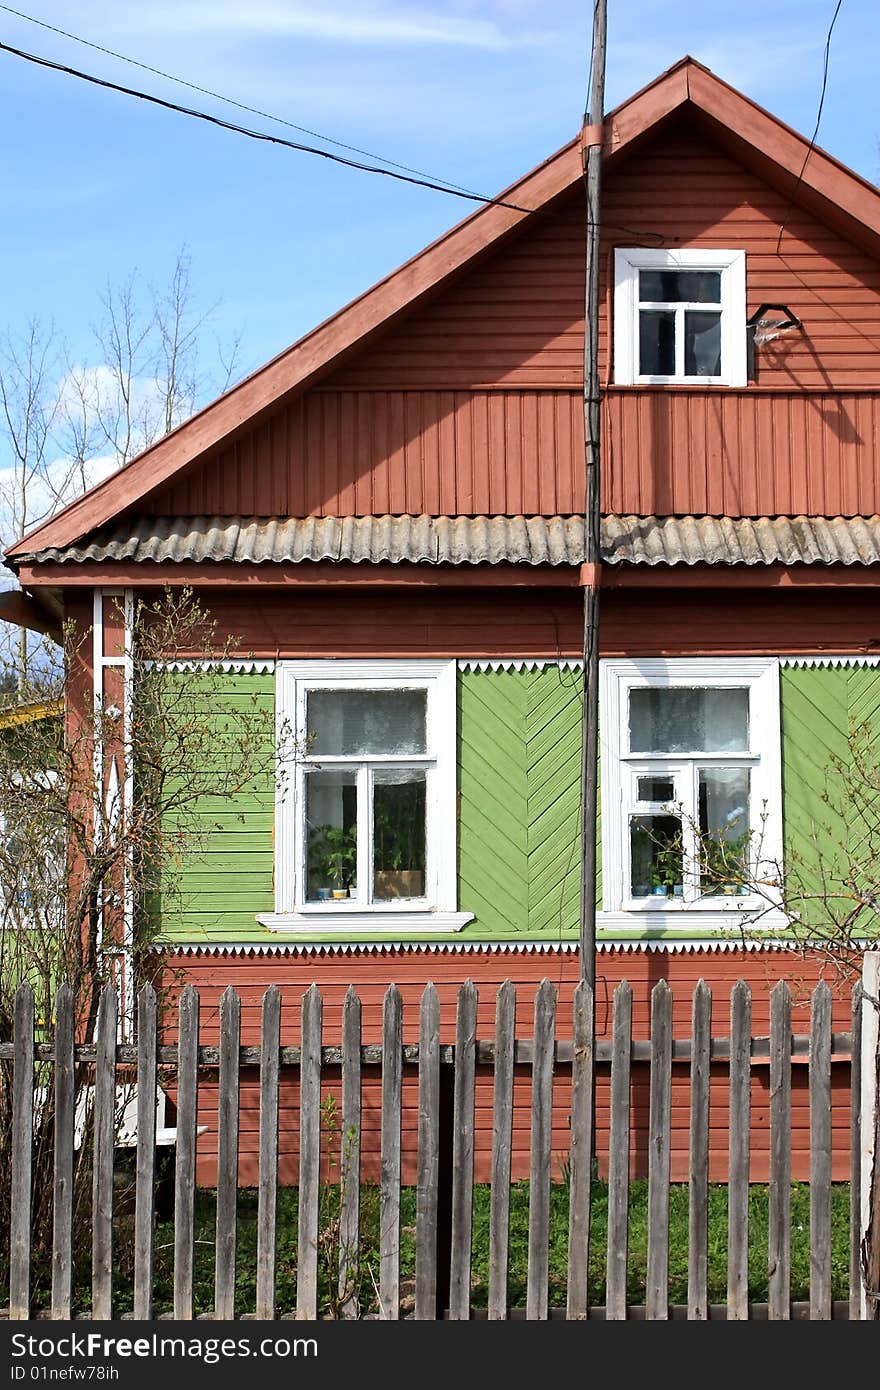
(820,707)
(231,878)
(518,785)
(519,779)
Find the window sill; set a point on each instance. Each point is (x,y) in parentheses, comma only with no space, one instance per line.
(688,919)
(349,923)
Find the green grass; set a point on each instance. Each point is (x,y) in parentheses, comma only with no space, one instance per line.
(286,1241)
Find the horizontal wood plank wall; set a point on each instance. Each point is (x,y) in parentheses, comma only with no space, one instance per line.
(371,974)
(472,403)
(540,624)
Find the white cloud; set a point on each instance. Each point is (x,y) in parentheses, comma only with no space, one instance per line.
(375,24)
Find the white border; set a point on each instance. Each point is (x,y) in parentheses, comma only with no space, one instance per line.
(617,675)
(732,264)
(440,912)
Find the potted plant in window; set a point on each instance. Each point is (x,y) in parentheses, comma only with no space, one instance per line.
(666,872)
(332,860)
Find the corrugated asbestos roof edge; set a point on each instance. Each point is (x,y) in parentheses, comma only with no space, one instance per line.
(457,540)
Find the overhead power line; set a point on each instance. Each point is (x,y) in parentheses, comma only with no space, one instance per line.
(262,135)
(229,101)
(812,143)
(453,190)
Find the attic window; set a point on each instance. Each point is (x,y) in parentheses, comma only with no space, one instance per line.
(679,317)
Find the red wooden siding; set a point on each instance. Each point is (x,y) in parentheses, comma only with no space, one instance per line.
(472,404)
(538,623)
(372,973)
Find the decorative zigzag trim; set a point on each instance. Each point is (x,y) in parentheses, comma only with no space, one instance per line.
(249,666)
(829,661)
(511,663)
(245,948)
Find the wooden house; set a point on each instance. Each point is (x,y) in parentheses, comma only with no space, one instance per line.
(388,516)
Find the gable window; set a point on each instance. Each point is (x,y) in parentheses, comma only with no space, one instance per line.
(365,811)
(679,317)
(691,783)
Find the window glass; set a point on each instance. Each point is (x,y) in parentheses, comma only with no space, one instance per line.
(723,803)
(656,789)
(656,856)
(702,343)
(680,286)
(398,832)
(357,723)
(657,342)
(684,720)
(331,832)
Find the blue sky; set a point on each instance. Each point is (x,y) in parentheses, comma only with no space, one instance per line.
(476,91)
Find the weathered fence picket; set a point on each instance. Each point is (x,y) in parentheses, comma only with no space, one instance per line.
(62,1197)
(22,1154)
(145,1160)
(309,1156)
(185,1156)
(389,1187)
(657,1293)
(104,1121)
(779,1242)
(93,1080)
(698,1164)
(539,1166)
(502,1133)
(618,1155)
(463,1153)
(227,1155)
(820,1153)
(429,1156)
(267,1190)
(738,1153)
(855,1162)
(350,1155)
(580,1152)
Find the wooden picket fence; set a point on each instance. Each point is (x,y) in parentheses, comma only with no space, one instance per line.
(443,1233)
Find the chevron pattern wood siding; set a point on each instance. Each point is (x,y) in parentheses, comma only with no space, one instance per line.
(820,706)
(519,782)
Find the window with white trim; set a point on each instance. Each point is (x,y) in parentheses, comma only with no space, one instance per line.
(366,806)
(691,783)
(680,317)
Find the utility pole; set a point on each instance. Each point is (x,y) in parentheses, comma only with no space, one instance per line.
(590,570)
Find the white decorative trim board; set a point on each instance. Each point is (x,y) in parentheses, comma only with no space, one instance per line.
(250,666)
(259,948)
(519,663)
(829,660)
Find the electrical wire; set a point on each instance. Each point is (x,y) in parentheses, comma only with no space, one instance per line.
(454,191)
(257,134)
(230,101)
(812,143)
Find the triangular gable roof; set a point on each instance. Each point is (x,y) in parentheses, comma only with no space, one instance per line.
(751,134)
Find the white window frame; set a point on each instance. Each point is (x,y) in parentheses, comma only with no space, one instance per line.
(732,264)
(620,770)
(438,909)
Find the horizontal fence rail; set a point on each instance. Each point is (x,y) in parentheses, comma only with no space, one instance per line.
(420,1241)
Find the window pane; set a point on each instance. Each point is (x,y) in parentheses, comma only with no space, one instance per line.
(331,833)
(656,789)
(684,720)
(702,344)
(724,827)
(398,833)
(656,858)
(656,343)
(354,723)
(680,286)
